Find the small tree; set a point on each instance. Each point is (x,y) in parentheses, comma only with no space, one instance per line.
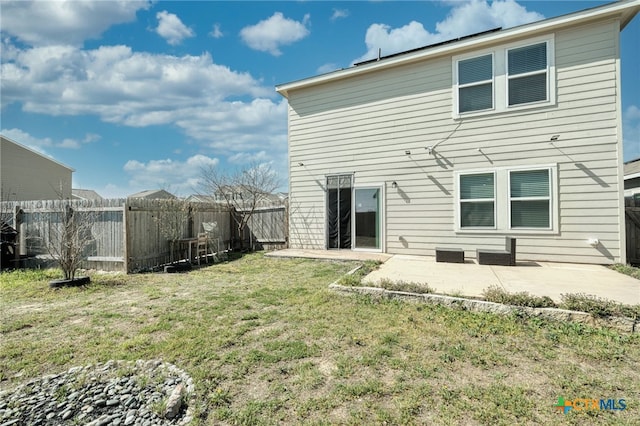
(172,218)
(242,190)
(68,237)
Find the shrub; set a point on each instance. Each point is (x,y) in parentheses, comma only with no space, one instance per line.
(598,306)
(627,270)
(499,295)
(409,287)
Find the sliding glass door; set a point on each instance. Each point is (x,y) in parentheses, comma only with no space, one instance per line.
(367,208)
(339,190)
(354,215)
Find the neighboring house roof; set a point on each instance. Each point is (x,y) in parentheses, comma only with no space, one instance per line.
(623,10)
(5,139)
(632,177)
(632,169)
(85,194)
(152,194)
(198,198)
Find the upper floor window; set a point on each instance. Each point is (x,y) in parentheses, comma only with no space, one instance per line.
(527,74)
(475,83)
(504,78)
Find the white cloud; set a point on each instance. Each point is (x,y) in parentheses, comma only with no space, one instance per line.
(248,157)
(216,32)
(268,35)
(180,177)
(631,132)
(171,28)
(121,86)
(632,113)
(237,126)
(39,144)
(64,22)
(476,16)
(464,19)
(339,14)
(323,69)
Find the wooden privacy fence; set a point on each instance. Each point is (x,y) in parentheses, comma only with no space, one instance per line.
(126,235)
(133,235)
(632,226)
(267,228)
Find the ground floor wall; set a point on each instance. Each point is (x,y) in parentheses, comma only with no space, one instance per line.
(420,208)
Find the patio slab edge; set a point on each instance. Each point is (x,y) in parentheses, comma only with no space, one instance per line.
(623,324)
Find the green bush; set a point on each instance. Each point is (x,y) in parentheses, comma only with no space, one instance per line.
(627,270)
(598,306)
(499,295)
(409,287)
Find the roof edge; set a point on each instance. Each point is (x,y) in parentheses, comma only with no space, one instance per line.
(37,153)
(625,10)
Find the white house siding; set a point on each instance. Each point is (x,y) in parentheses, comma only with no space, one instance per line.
(365,123)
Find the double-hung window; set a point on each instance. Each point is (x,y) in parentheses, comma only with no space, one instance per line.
(527,74)
(475,84)
(530,199)
(504,78)
(519,199)
(477,200)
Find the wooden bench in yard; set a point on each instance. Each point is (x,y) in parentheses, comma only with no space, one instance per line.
(506,257)
(450,255)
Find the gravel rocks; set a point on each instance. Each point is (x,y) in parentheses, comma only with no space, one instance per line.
(111,393)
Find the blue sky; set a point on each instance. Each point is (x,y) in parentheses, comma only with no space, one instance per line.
(142,95)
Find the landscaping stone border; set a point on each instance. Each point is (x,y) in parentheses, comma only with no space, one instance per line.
(619,323)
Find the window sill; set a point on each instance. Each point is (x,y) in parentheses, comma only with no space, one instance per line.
(532,232)
(506,110)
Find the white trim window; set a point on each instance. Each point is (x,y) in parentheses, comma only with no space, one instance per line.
(477,200)
(507,199)
(527,74)
(530,199)
(504,78)
(475,83)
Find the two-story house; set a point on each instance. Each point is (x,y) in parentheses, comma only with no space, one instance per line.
(513,132)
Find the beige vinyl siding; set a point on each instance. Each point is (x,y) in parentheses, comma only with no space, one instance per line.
(364,124)
(27,175)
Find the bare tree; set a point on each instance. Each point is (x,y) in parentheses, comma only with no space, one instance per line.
(242,190)
(172,218)
(67,237)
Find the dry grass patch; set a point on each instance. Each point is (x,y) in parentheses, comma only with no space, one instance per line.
(267,343)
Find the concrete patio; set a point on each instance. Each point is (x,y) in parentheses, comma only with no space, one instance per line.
(470,279)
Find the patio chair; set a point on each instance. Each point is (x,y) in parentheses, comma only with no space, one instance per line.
(213,236)
(506,257)
(202,248)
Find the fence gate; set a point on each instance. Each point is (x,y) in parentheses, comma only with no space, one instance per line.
(632,226)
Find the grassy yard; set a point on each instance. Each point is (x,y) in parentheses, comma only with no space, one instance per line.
(267,343)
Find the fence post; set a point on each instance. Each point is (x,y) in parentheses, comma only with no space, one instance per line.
(21,227)
(125,236)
